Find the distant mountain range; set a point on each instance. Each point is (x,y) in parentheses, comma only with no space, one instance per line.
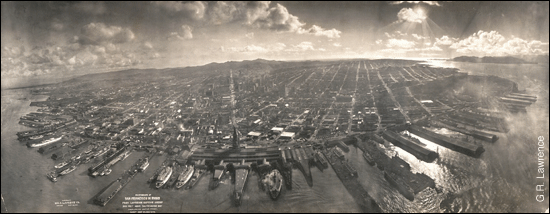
(252,68)
(519,59)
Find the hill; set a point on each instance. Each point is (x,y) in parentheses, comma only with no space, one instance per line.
(519,59)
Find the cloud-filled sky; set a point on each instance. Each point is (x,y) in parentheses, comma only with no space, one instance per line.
(66,37)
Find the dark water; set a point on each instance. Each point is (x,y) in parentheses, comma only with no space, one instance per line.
(503,179)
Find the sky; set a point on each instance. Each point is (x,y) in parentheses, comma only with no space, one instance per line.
(59,38)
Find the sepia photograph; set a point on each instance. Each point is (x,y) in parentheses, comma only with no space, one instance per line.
(275,107)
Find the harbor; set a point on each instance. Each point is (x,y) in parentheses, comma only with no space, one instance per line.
(214,162)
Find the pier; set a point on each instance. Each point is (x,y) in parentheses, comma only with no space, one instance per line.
(396,168)
(417,149)
(358,192)
(458,145)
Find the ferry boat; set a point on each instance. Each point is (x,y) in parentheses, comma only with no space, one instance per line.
(185,176)
(102,151)
(195,178)
(274,183)
(36,137)
(199,172)
(45,142)
(321,159)
(52,176)
(62,164)
(164,176)
(68,170)
(144,165)
(126,154)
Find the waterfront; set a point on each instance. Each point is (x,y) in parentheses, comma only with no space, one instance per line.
(501,180)
(327,194)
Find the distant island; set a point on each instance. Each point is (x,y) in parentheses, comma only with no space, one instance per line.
(538,59)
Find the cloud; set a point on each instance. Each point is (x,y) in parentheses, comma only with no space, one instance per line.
(400,43)
(147,45)
(272,48)
(517,46)
(432,3)
(259,14)
(418,37)
(445,41)
(404,46)
(36,59)
(337,44)
(303,46)
(256,10)
(99,50)
(76,56)
(493,43)
(185,33)
(154,55)
(98,33)
(319,31)
(431,48)
(256,48)
(397,33)
(12,52)
(278,19)
(409,15)
(86,58)
(277,46)
(221,12)
(194,10)
(249,35)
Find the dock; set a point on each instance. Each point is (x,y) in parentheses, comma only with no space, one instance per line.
(416,148)
(108,193)
(236,154)
(481,135)
(357,191)
(458,145)
(241,176)
(301,162)
(398,169)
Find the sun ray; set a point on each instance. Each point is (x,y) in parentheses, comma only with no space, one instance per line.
(439,31)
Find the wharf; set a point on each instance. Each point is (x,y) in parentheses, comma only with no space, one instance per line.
(108,193)
(300,158)
(397,167)
(470,125)
(416,148)
(474,133)
(236,155)
(358,192)
(118,155)
(241,176)
(454,144)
